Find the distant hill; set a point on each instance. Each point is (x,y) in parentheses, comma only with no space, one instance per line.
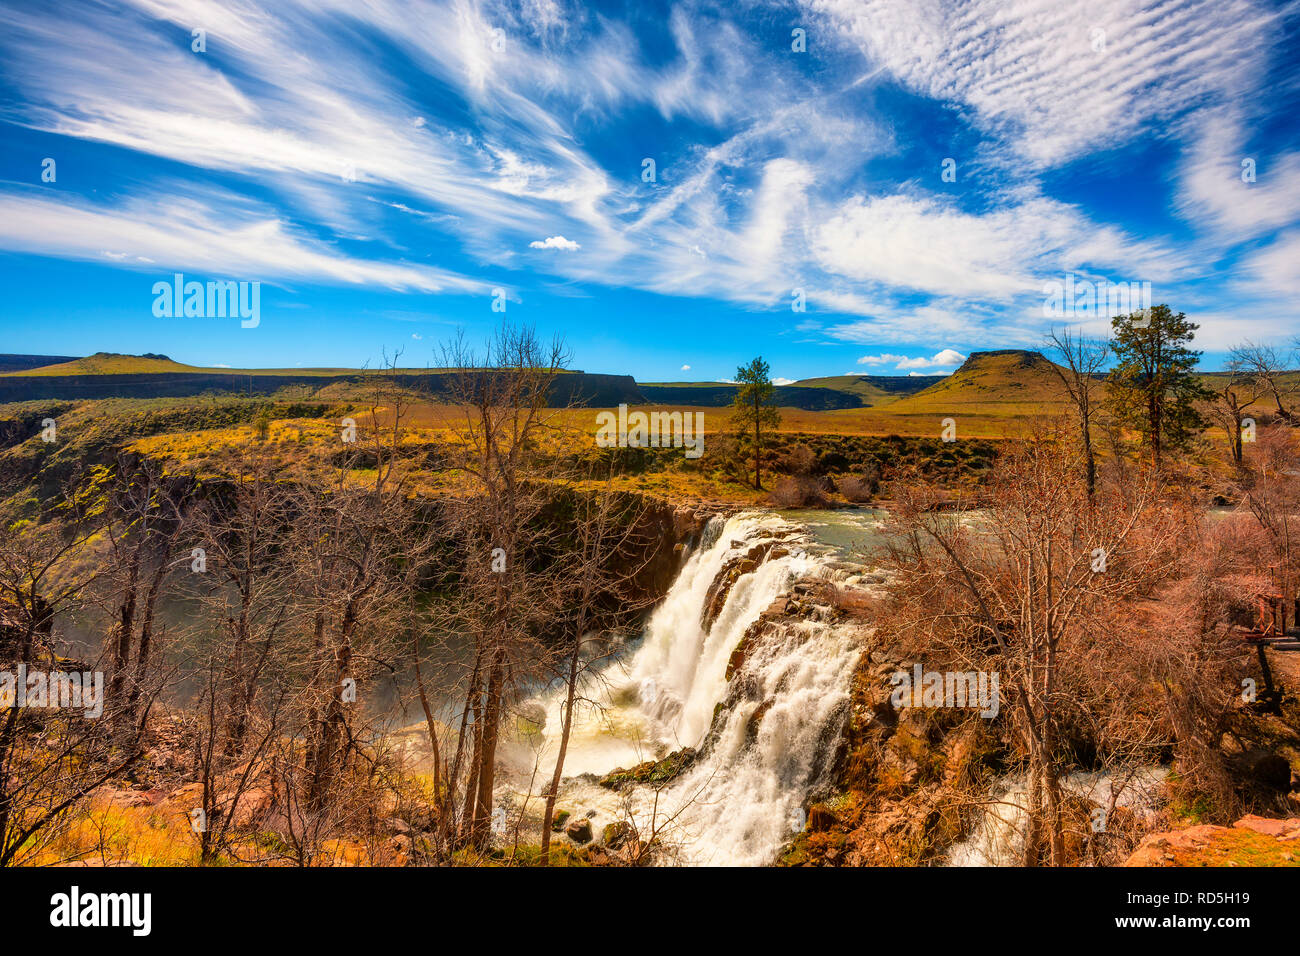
(113,375)
(115,363)
(874,390)
(995,385)
(110,375)
(20,363)
(106,363)
(810,394)
(1003,382)
(722,394)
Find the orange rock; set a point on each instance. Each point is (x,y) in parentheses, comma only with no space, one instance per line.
(1288,829)
(1251,841)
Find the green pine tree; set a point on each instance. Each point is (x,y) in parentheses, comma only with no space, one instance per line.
(263,423)
(1154,387)
(754,410)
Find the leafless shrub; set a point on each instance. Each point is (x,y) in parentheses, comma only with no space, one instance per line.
(858,488)
(798,492)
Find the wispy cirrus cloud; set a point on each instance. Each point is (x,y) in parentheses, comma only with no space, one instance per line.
(163,233)
(1059,78)
(292,147)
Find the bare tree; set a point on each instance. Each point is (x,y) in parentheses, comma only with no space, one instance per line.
(1231,399)
(53,755)
(360,550)
(1024,591)
(1266,367)
(500,418)
(241,538)
(600,589)
(146,518)
(1079,368)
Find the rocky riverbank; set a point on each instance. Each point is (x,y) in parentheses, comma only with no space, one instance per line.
(1251,841)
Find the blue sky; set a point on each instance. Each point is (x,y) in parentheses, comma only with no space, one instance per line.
(380,168)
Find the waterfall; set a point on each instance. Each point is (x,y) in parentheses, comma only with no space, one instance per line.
(742,798)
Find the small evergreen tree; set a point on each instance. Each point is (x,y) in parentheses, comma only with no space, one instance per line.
(754,410)
(262,424)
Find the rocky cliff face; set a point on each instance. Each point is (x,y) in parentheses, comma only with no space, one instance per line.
(670,530)
(905,779)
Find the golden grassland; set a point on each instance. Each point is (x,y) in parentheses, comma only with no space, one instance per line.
(994,396)
(103,833)
(988,420)
(311,447)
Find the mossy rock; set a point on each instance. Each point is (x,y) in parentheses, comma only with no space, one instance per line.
(616,834)
(558,821)
(652,771)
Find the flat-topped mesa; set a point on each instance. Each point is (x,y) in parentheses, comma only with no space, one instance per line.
(1018,358)
(114,375)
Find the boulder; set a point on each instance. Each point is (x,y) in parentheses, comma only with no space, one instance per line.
(130,798)
(396,825)
(253,806)
(579,831)
(1251,841)
(616,834)
(1288,829)
(652,771)
(186,798)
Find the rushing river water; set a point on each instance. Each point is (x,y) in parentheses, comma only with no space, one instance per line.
(742,799)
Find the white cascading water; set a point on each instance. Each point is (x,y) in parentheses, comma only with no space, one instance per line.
(998,838)
(741,800)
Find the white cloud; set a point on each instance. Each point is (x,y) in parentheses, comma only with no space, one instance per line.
(1212,192)
(776,199)
(1039,73)
(944,359)
(922,243)
(686,368)
(554,242)
(782,381)
(189,234)
(1276,269)
(939,360)
(1262,322)
(951,319)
